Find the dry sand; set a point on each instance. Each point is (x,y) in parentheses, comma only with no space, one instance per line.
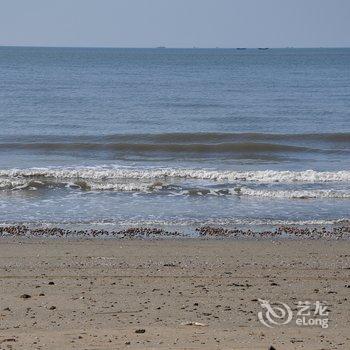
(94,294)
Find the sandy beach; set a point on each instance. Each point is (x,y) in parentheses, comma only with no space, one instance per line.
(174,175)
(169,294)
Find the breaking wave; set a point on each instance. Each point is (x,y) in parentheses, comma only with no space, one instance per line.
(105,174)
(176,181)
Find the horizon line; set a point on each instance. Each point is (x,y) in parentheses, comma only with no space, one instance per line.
(174,47)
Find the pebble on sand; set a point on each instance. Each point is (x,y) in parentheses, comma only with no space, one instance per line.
(140,331)
(25,296)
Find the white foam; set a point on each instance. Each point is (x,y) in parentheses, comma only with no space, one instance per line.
(127,187)
(105,174)
(178,221)
(297,194)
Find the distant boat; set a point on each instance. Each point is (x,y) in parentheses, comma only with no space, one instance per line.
(161,47)
(263,48)
(241,48)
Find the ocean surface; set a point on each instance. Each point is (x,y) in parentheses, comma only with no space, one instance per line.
(174,137)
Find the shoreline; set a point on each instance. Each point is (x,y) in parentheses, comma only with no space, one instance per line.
(293,232)
(169,294)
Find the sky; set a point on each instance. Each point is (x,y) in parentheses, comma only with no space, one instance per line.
(175,23)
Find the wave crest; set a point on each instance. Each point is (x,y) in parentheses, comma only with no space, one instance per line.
(173,143)
(176,181)
(105,174)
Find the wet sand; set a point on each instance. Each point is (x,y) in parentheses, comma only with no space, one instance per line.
(169,294)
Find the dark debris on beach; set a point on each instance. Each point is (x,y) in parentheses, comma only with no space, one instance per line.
(337,232)
(22,231)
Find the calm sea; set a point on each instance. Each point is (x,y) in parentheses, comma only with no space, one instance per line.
(125,137)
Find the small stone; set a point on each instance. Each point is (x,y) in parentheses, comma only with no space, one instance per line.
(52,308)
(8,340)
(51,283)
(140,331)
(25,296)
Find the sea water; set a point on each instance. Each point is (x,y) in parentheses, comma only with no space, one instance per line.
(181,137)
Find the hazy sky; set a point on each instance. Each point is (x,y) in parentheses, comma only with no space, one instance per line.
(175,23)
